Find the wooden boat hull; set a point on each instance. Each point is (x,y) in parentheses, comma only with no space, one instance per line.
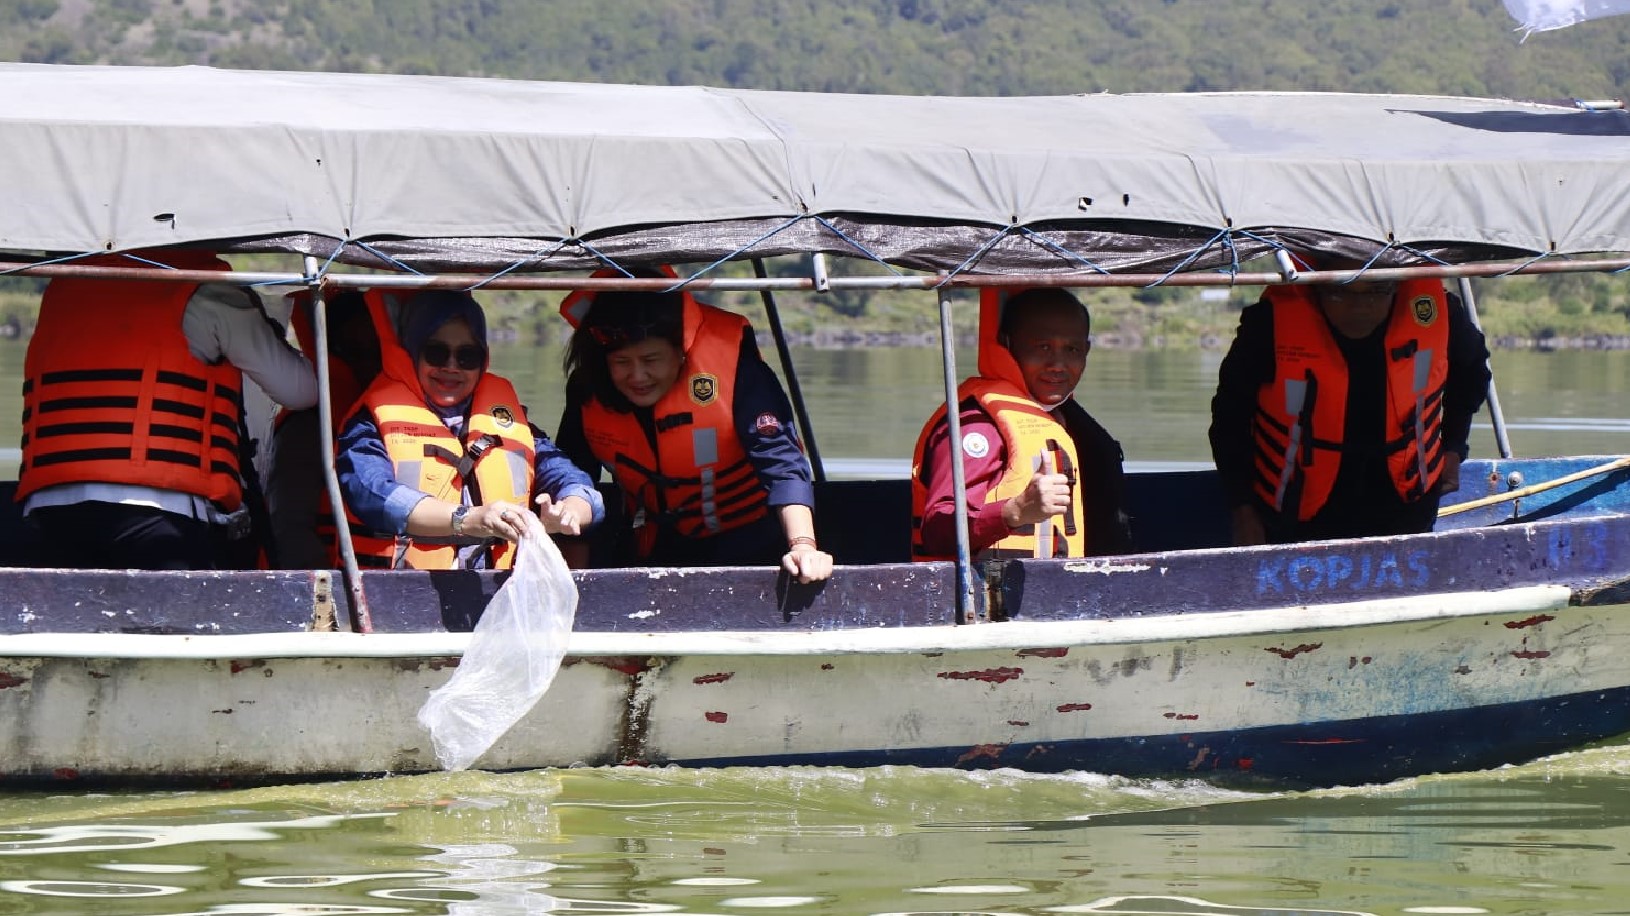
(1303,695)
(1333,662)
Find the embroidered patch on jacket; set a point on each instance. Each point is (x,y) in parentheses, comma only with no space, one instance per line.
(975,445)
(703,388)
(767,424)
(504,416)
(1425,309)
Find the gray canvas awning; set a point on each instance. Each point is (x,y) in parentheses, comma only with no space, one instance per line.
(480,173)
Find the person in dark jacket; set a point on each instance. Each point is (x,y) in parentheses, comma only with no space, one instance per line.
(1344,410)
(672,398)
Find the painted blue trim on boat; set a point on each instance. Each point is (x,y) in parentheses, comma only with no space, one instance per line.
(1351,752)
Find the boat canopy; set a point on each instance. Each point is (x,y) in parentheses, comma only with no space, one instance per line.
(440,173)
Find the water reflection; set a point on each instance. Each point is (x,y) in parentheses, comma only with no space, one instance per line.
(1551,837)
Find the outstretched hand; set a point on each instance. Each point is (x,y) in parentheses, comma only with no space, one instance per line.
(569,516)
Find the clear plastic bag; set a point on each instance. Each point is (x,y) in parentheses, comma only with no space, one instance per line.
(1543,15)
(513,655)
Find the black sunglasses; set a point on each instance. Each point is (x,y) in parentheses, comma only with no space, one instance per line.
(468,356)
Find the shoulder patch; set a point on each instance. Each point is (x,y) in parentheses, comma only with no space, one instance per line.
(975,445)
(703,388)
(1425,310)
(504,416)
(767,424)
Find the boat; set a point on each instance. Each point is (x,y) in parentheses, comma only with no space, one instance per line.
(1497,638)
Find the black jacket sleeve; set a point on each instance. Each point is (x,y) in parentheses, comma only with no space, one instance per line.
(1103,479)
(1468,383)
(1248,366)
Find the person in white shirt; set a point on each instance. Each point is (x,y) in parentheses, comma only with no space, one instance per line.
(133,416)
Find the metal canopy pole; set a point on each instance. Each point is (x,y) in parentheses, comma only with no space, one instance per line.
(793,388)
(361,620)
(965,606)
(1502,438)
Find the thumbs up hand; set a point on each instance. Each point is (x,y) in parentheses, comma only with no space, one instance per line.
(1047,495)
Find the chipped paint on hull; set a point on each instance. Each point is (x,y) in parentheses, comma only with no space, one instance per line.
(1288,654)
(988,675)
(1104,567)
(1394,712)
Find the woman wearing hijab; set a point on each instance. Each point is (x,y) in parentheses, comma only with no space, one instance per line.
(672,397)
(438,463)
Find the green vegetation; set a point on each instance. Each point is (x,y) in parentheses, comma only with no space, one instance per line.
(953,47)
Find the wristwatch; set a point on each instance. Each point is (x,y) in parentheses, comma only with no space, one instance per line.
(458,520)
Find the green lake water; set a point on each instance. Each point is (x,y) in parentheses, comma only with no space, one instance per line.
(1551,837)
(1548,838)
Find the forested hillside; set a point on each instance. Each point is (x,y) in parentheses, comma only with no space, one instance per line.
(971,47)
(958,47)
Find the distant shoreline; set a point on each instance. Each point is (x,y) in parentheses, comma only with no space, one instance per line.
(1109,340)
(1115,341)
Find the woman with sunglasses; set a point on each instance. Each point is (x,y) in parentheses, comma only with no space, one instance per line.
(439,465)
(672,397)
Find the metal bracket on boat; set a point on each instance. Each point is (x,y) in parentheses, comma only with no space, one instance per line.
(1287,265)
(322,602)
(995,600)
(823,283)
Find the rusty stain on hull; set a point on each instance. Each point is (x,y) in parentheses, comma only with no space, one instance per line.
(635,715)
(624,664)
(989,675)
(8,681)
(1530,653)
(716,716)
(992,751)
(716,678)
(1073,707)
(1292,653)
(1533,621)
(1043,653)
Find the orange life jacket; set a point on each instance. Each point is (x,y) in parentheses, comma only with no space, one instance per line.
(493,461)
(1027,430)
(697,479)
(1302,415)
(112,394)
(344,386)
(346,389)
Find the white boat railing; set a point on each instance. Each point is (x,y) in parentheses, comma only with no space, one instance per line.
(1012,635)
